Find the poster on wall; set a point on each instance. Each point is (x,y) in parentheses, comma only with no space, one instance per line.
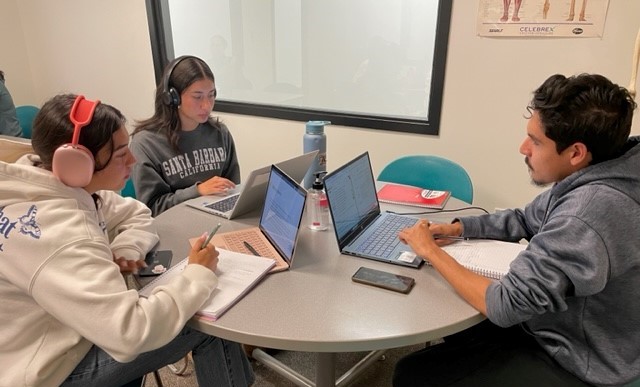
(542,18)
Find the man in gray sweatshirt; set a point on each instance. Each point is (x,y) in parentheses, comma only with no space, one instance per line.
(567,313)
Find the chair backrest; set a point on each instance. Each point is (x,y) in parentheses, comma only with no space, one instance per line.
(431,172)
(12,148)
(26,114)
(128,190)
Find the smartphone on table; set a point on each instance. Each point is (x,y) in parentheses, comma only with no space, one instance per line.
(383,279)
(158,261)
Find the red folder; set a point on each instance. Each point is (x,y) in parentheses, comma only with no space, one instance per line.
(413,196)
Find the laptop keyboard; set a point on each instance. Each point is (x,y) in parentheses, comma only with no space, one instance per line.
(236,239)
(224,205)
(384,239)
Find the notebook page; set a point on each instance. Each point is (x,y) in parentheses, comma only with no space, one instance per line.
(237,274)
(490,258)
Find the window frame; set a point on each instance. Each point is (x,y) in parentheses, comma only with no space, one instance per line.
(162,53)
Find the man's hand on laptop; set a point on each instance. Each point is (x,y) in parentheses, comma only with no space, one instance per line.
(215,186)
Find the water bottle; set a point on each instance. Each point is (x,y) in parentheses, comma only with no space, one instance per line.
(315,139)
(317,205)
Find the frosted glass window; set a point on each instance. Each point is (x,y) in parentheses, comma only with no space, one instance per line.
(370,63)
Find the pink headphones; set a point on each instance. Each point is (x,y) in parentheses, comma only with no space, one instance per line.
(72,163)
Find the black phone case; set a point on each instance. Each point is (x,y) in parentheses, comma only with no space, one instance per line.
(153,259)
(384,280)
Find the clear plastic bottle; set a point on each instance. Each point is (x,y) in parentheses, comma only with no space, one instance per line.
(318,206)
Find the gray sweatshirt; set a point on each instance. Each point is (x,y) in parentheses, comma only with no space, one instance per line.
(576,287)
(163,178)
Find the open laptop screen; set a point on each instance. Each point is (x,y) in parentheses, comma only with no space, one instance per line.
(282,212)
(352,196)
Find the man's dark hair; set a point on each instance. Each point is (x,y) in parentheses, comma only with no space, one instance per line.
(586,108)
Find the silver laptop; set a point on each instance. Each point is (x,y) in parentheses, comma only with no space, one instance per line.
(361,229)
(277,233)
(251,194)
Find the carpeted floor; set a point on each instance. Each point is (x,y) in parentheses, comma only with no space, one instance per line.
(377,375)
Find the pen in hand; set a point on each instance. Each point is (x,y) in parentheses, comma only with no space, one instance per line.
(250,248)
(211,234)
(455,238)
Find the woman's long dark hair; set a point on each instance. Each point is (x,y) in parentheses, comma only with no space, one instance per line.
(166,118)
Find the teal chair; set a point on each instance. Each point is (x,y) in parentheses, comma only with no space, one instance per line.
(26,114)
(128,190)
(635,383)
(430,172)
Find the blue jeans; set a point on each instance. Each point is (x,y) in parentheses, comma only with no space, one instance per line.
(217,362)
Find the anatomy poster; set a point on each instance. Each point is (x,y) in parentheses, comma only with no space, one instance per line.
(542,18)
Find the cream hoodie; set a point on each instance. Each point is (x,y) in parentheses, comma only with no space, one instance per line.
(61,292)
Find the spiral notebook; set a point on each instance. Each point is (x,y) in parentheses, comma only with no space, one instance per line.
(490,258)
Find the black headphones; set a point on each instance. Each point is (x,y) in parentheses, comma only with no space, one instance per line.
(171,96)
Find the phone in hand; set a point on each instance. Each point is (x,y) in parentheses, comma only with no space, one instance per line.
(157,261)
(383,279)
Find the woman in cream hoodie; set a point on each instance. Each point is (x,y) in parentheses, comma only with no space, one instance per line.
(66,316)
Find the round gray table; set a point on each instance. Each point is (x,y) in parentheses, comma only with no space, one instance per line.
(315,307)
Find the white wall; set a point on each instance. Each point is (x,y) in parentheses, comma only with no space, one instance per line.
(14,60)
(97,48)
(102,49)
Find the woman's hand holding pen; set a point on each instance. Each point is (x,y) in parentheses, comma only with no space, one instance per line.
(215,185)
(204,255)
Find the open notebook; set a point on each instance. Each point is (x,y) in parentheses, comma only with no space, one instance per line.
(490,258)
(237,274)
